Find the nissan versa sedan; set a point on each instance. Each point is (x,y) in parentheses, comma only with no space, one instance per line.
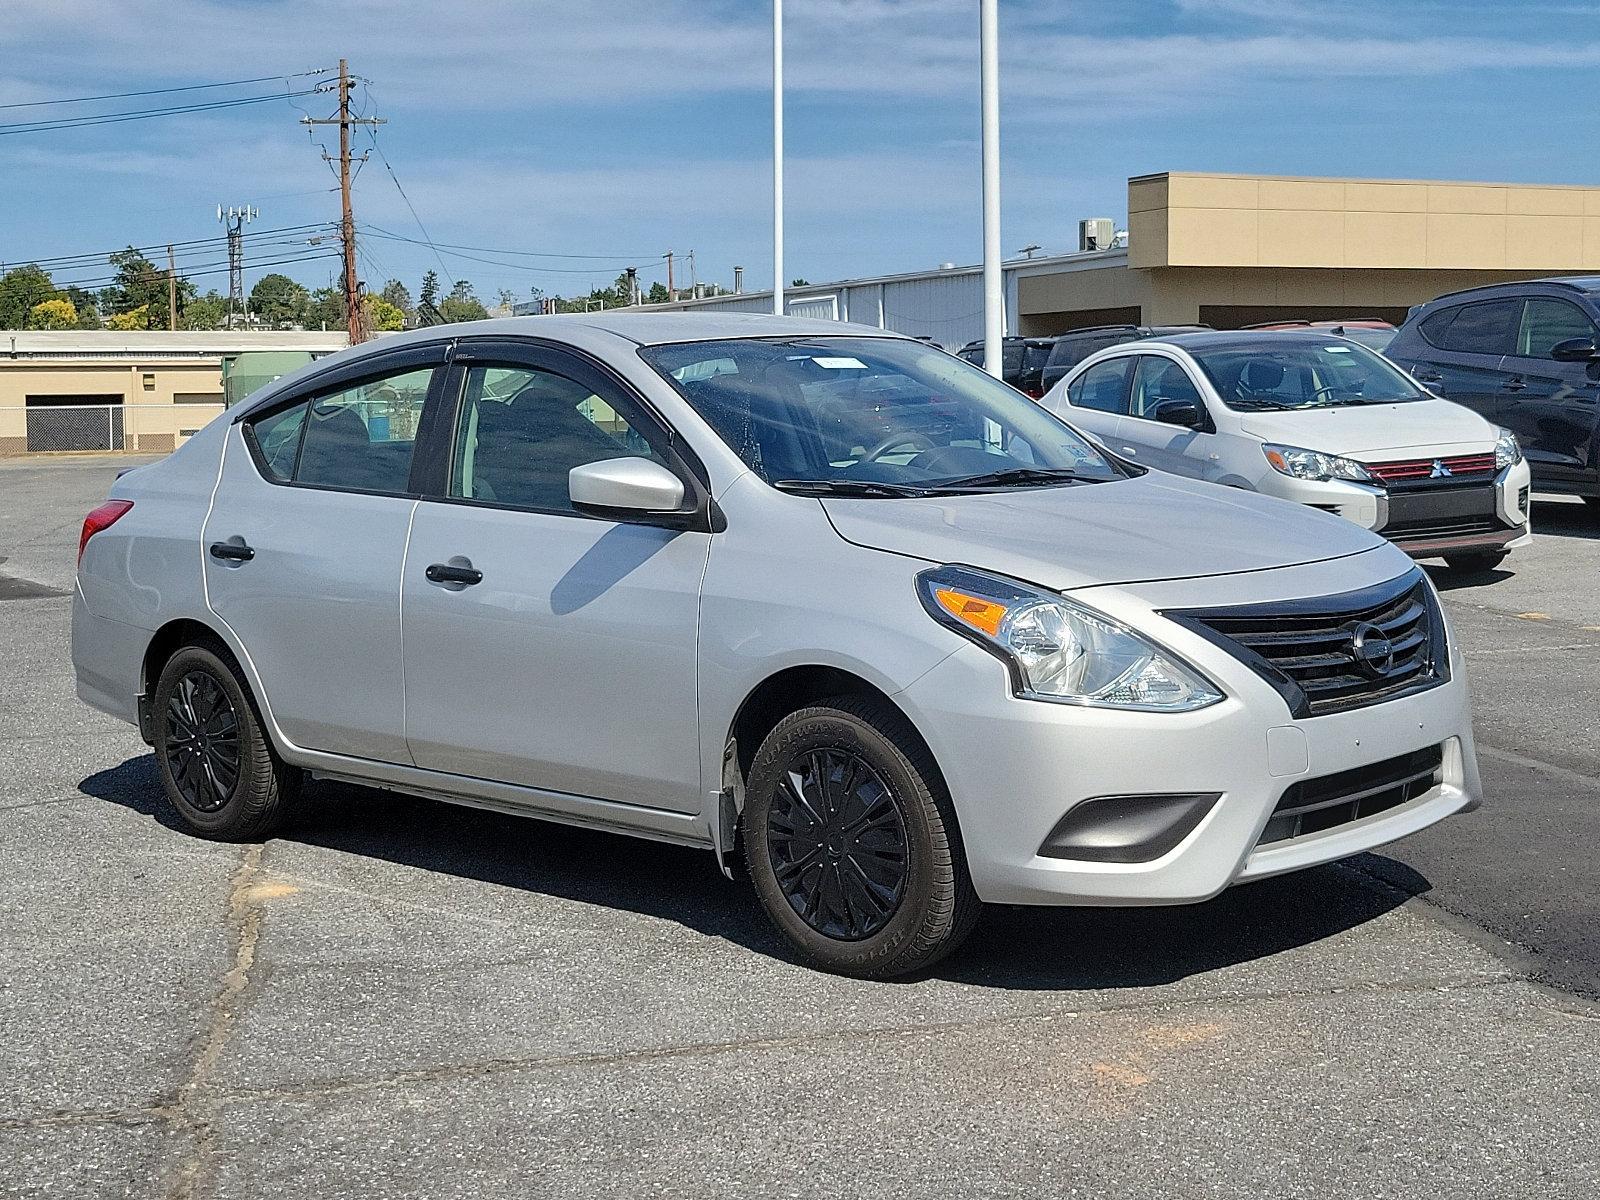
(1314,418)
(831,604)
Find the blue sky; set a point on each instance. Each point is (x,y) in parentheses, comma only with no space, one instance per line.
(623,128)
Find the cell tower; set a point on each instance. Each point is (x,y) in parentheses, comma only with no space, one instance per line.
(235,219)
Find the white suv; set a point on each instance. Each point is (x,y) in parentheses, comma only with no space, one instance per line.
(1313,418)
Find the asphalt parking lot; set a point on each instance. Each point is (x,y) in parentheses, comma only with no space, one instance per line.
(402,998)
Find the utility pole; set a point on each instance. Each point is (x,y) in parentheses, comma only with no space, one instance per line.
(671,295)
(235,219)
(694,280)
(347,228)
(994,301)
(172,293)
(777,157)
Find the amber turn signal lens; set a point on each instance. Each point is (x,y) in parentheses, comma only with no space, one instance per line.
(981,614)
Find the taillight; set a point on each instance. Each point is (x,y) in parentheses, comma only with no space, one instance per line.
(104,517)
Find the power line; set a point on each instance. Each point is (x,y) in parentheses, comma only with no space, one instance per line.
(192,87)
(65,261)
(621,258)
(144,114)
(532,268)
(372,136)
(194,272)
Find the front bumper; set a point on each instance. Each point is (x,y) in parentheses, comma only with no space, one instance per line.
(1016,767)
(1427,521)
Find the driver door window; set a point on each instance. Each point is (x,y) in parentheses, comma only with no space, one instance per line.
(521,431)
(1159,382)
(1547,322)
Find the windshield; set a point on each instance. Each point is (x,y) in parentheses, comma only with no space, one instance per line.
(1286,375)
(873,416)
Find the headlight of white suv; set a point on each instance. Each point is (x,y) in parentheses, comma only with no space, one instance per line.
(1506,451)
(1059,650)
(1314,464)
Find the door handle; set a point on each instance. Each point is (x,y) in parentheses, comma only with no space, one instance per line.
(232,552)
(1428,377)
(448,573)
(1130,451)
(1515,385)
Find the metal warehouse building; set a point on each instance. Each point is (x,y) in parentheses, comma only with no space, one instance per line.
(1233,250)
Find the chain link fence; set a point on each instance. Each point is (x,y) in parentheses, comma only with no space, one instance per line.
(81,428)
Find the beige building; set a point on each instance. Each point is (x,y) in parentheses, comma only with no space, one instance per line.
(73,390)
(1233,250)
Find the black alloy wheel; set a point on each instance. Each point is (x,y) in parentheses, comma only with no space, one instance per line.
(220,773)
(837,842)
(202,745)
(852,840)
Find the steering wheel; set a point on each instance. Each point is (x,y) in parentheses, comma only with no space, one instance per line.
(1329,389)
(918,441)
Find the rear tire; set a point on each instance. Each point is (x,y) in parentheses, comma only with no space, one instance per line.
(852,842)
(1476,564)
(220,773)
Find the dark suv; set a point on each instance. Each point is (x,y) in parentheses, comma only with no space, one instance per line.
(1021,361)
(1072,348)
(1525,356)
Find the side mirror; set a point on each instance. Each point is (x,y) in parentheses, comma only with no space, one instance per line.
(1578,349)
(620,488)
(1178,412)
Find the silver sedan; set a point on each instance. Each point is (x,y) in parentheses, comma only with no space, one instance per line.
(827,602)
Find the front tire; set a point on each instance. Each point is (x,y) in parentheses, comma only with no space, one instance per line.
(1476,564)
(218,769)
(852,842)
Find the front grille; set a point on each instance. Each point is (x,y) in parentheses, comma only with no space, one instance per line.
(1450,467)
(1440,528)
(1314,805)
(1333,653)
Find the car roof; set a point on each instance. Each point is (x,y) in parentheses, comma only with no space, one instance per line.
(596,332)
(1230,339)
(1585,285)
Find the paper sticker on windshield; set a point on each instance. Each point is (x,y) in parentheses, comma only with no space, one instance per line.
(1336,349)
(841,364)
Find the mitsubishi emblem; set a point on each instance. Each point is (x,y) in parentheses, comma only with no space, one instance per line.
(1440,471)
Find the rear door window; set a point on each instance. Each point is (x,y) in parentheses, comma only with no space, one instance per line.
(1486,328)
(1103,387)
(359,438)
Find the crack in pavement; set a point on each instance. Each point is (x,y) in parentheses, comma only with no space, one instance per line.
(496,1066)
(194,1108)
(197,1116)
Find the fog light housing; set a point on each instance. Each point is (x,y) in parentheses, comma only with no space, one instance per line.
(1127,829)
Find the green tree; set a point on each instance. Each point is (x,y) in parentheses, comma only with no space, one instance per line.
(20,289)
(397,294)
(383,317)
(141,286)
(56,313)
(430,289)
(209,311)
(657,294)
(134,318)
(279,301)
(327,309)
(462,304)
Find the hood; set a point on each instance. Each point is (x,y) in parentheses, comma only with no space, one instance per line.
(1151,527)
(1376,431)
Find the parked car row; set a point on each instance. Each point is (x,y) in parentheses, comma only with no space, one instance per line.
(829,603)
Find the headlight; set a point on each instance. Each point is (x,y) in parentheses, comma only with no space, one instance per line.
(1061,651)
(1506,451)
(1314,464)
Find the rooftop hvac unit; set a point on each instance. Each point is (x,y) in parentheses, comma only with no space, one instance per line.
(1096,233)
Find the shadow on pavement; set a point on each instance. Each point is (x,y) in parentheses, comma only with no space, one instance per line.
(1580,520)
(1030,948)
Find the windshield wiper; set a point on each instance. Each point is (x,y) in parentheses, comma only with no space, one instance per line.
(1012,477)
(846,487)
